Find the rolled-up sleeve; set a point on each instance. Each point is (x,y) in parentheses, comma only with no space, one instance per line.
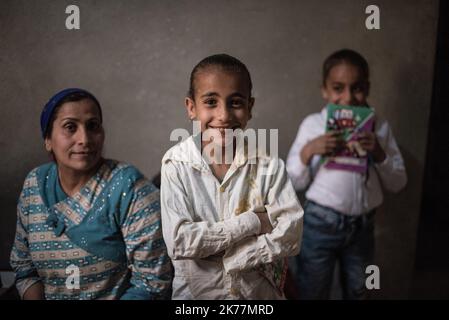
(151,270)
(26,274)
(392,169)
(300,173)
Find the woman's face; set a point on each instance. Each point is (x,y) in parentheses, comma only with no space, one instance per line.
(77,137)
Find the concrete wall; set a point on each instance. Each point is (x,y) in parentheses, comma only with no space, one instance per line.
(136,57)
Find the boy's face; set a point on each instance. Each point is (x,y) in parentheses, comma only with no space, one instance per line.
(345,86)
(222,101)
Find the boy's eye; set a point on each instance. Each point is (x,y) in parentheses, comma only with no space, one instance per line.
(210,102)
(237,103)
(357,89)
(338,88)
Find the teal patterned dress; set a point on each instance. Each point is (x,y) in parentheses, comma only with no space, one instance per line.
(104,242)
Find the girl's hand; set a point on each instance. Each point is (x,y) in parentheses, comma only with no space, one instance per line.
(265,224)
(326,144)
(369,142)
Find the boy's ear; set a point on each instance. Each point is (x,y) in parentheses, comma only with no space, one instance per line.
(190,107)
(250,107)
(47,144)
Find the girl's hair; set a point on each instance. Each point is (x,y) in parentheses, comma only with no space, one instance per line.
(345,56)
(224,61)
(73,97)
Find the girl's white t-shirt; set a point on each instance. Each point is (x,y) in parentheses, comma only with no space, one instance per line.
(348,192)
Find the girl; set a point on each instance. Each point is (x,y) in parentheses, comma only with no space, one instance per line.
(227,225)
(87,227)
(339,211)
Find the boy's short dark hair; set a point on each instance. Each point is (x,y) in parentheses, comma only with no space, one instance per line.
(348,56)
(225,61)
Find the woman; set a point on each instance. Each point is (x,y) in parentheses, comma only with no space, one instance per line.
(87,227)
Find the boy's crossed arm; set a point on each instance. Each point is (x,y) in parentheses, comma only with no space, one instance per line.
(186,239)
(284,240)
(249,238)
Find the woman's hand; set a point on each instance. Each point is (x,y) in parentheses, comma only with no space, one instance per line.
(369,142)
(323,145)
(35,292)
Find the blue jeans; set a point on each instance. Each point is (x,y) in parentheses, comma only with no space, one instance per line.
(330,237)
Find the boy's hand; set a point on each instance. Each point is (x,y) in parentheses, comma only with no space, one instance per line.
(326,144)
(369,142)
(265,224)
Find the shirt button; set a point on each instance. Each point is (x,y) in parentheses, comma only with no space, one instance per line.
(222,189)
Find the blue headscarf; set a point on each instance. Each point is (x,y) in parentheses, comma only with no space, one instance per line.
(55,101)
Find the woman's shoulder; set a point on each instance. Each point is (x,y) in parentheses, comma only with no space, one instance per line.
(35,179)
(40,171)
(124,173)
(119,166)
(43,168)
(115,168)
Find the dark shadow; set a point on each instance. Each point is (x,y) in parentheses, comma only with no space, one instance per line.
(431,276)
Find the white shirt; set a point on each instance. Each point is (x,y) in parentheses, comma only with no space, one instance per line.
(345,191)
(212,232)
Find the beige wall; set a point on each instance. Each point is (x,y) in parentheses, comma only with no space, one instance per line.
(136,57)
